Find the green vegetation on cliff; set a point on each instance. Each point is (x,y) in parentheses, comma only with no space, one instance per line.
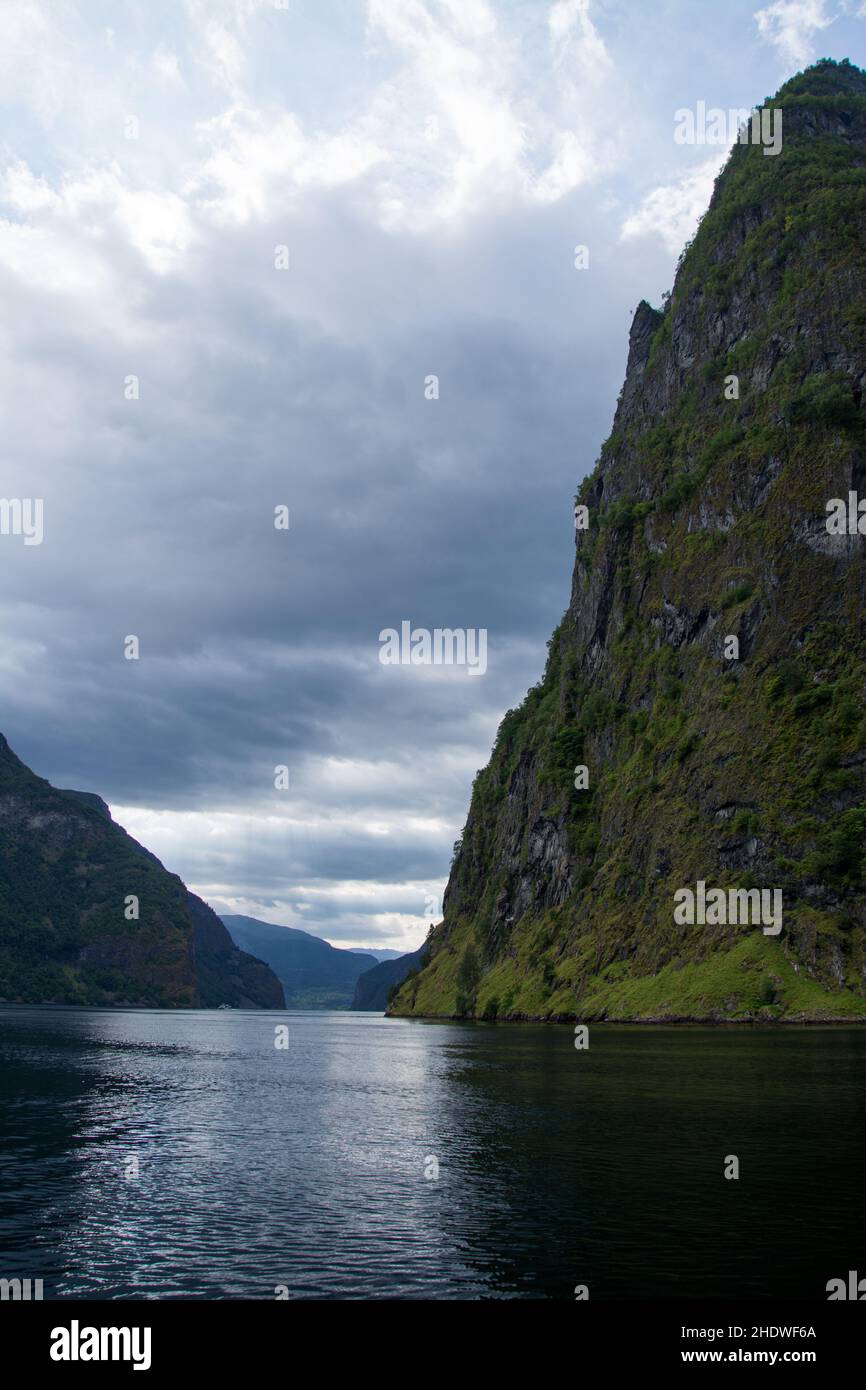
(67,874)
(741,416)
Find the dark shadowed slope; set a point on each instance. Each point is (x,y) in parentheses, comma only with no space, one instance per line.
(314,974)
(69,881)
(374,987)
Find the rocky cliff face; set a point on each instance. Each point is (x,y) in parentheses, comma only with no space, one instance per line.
(738,763)
(67,878)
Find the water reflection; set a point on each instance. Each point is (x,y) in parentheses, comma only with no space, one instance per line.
(258,1167)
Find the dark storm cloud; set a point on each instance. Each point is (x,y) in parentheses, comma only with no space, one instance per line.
(305,387)
(453,512)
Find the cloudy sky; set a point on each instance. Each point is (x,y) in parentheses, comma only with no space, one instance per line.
(429,167)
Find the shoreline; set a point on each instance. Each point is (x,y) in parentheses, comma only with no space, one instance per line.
(677,1021)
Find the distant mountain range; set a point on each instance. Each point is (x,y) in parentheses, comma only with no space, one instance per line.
(89,916)
(314,974)
(375,952)
(374,988)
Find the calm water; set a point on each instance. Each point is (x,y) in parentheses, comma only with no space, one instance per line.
(306,1167)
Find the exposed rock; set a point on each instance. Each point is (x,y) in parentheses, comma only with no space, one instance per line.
(707,521)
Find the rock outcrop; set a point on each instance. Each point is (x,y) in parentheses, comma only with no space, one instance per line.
(710,671)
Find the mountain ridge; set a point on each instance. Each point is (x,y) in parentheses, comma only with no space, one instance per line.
(313,973)
(68,877)
(375,987)
(741,416)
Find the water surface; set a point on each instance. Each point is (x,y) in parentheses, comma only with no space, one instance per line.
(314,1167)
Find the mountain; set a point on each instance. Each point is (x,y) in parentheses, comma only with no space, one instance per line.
(68,874)
(376,953)
(314,974)
(374,987)
(739,434)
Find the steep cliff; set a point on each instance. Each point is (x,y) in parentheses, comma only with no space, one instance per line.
(740,764)
(67,878)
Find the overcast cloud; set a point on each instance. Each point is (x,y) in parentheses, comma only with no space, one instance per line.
(430,167)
